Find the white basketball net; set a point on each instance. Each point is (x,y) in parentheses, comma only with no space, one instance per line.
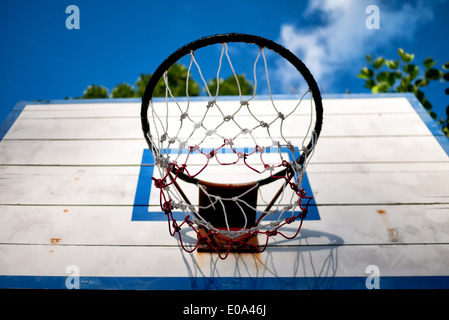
(217,133)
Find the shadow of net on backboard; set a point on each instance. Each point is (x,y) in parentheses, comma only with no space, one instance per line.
(310,261)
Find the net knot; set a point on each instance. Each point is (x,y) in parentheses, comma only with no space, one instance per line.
(164,137)
(194,148)
(228,142)
(210,103)
(176,227)
(172,140)
(159,183)
(179,205)
(274,223)
(182,144)
(228,118)
(181,169)
(290,220)
(244,103)
(285,163)
(305,151)
(184,115)
(167,207)
(298,167)
(295,188)
(271,233)
(260,149)
(245,131)
(210,132)
(281,115)
(263,124)
(188,221)
(162,162)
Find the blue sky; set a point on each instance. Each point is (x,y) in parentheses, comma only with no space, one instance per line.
(118,40)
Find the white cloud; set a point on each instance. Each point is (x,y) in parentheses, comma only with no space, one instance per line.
(342,39)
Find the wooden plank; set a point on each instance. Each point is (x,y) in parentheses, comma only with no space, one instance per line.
(79,225)
(377,225)
(117,185)
(81,110)
(378,149)
(130,127)
(315,262)
(76,129)
(352,105)
(129,152)
(72,152)
(69,185)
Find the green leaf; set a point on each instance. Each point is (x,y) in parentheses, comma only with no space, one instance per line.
(123,90)
(446,131)
(410,57)
(446,66)
(433,115)
(401,88)
(383,76)
(363,76)
(369,84)
(426,104)
(369,58)
(429,62)
(420,95)
(412,70)
(367,72)
(406,57)
(433,74)
(392,76)
(95,92)
(405,81)
(380,88)
(392,64)
(397,74)
(378,63)
(421,83)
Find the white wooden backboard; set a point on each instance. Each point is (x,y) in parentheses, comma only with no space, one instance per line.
(77,209)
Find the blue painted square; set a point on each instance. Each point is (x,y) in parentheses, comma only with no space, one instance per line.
(141,201)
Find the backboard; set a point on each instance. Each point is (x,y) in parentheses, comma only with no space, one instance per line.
(78,210)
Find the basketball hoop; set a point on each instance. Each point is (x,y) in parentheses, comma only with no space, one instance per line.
(231,217)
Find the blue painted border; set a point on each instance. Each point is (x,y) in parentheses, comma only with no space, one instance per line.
(224,283)
(430,123)
(143,190)
(11,118)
